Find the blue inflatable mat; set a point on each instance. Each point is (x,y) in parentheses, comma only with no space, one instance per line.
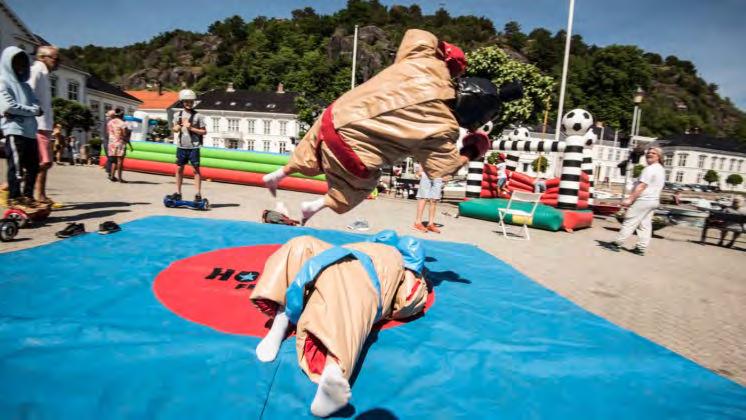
(83,336)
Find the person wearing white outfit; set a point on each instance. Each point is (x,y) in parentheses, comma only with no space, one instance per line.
(642,202)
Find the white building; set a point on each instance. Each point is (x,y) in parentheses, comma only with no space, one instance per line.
(101,97)
(688,157)
(246,120)
(14,32)
(68,81)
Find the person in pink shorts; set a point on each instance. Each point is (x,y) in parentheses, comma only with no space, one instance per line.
(47,58)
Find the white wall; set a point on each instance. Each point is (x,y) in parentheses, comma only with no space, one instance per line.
(12,34)
(219,134)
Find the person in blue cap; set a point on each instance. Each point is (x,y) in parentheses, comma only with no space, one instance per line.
(334,295)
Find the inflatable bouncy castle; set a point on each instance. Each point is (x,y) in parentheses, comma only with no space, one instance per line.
(567,198)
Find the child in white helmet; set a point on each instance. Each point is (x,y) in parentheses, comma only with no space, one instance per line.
(189,128)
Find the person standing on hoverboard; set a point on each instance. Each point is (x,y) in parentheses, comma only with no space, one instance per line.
(189,128)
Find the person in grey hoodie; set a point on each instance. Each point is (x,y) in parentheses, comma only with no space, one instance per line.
(19,109)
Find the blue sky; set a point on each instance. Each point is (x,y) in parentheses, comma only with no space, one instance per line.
(709,33)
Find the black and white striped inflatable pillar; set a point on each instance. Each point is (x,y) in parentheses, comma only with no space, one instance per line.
(587,168)
(474,179)
(511,162)
(571,169)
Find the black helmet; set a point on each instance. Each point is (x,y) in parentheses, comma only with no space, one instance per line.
(478,100)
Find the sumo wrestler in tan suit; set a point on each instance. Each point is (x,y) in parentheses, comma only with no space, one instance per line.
(340,308)
(400,112)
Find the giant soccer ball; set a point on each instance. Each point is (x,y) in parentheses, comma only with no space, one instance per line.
(577,122)
(522,133)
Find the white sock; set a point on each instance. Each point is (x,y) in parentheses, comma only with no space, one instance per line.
(272,180)
(267,349)
(309,208)
(333,392)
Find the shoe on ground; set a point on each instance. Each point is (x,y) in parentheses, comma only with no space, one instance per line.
(432,228)
(72,229)
(639,251)
(108,227)
(175,196)
(420,227)
(197,198)
(113,179)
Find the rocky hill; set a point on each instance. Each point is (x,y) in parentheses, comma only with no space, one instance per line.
(311,54)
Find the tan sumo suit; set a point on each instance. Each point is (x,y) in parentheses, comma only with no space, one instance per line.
(400,112)
(341,306)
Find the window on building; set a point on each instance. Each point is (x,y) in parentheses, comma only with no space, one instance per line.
(283,147)
(250,144)
(267,126)
(668,174)
(231,144)
(682,159)
(53,85)
(713,162)
(525,167)
(233,124)
(722,164)
(701,163)
(252,124)
(73,90)
(96,109)
(738,169)
(609,152)
(732,166)
(679,176)
(130,111)
(265,145)
(107,107)
(617,155)
(600,153)
(699,177)
(283,128)
(215,124)
(668,159)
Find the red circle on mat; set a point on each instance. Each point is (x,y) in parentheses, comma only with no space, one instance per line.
(213,289)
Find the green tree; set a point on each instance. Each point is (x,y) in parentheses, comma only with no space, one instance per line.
(513,35)
(494,64)
(637,171)
(71,115)
(733,180)
(540,164)
(617,71)
(711,176)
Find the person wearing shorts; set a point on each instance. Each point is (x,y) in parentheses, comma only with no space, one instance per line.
(117,147)
(429,192)
(47,58)
(189,129)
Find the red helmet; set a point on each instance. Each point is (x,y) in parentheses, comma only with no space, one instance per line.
(454,58)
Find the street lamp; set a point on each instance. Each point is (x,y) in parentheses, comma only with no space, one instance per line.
(634,131)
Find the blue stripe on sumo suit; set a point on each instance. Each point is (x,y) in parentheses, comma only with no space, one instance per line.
(83,336)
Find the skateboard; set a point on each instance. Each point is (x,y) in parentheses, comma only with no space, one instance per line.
(202,204)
